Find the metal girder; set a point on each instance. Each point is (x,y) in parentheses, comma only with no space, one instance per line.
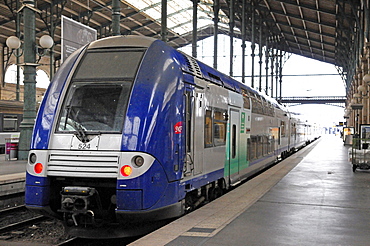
(299,17)
(327,30)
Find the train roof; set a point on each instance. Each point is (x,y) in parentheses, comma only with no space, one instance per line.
(116,41)
(201,70)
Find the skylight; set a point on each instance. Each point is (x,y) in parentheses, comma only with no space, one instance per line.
(179,13)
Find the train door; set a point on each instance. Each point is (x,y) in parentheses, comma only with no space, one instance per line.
(198,132)
(234,130)
(194,110)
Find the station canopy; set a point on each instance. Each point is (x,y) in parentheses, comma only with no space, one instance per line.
(325,30)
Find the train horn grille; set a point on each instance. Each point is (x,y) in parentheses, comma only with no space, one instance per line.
(99,166)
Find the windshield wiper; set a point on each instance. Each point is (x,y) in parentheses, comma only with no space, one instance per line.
(68,107)
(80,132)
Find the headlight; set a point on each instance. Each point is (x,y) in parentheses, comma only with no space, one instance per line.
(32,158)
(138,160)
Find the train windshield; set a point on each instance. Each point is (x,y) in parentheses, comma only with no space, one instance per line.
(95,107)
(97,97)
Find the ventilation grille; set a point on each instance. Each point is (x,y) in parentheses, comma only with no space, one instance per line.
(193,65)
(98,166)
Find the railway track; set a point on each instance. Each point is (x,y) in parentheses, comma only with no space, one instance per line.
(17,224)
(12,191)
(16,218)
(21,225)
(4,212)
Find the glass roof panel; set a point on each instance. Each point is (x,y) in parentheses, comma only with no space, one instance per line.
(179,13)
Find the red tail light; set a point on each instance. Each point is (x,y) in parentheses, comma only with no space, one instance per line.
(126,170)
(38,168)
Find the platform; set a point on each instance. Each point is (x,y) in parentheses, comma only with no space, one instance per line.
(311,198)
(12,177)
(11,167)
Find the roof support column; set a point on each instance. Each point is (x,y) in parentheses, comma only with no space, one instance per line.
(360,100)
(216,10)
(17,54)
(243,41)
(260,55)
(29,109)
(367,20)
(231,28)
(267,66)
(195,24)
(116,16)
(280,74)
(253,42)
(365,99)
(272,71)
(51,51)
(164,21)
(276,73)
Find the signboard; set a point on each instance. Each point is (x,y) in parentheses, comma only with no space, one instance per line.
(242,123)
(74,36)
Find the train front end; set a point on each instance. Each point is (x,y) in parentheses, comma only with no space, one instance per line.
(106,149)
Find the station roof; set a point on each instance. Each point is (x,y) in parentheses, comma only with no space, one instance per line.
(324,30)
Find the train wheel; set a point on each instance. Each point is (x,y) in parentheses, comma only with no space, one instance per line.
(214,193)
(189,203)
(283,155)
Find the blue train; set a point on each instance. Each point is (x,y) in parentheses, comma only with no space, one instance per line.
(132,131)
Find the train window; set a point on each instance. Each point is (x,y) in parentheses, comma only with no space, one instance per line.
(208,129)
(215,127)
(263,106)
(219,127)
(259,147)
(105,64)
(270,109)
(252,148)
(282,129)
(246,101)
(248,149)
(94,107)
(293,129)
(233,142)
(257,104)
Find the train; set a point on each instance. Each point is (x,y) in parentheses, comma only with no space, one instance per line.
(132,132)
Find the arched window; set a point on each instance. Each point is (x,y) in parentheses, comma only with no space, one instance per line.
(42,79)
(11,75)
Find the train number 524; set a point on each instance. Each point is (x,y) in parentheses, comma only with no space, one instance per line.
(83,146)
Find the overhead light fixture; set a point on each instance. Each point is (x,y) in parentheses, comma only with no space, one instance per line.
(45,42)
(366,78)
(356,95)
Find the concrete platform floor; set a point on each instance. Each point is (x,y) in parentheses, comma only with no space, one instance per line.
(11,167)
(320,202)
